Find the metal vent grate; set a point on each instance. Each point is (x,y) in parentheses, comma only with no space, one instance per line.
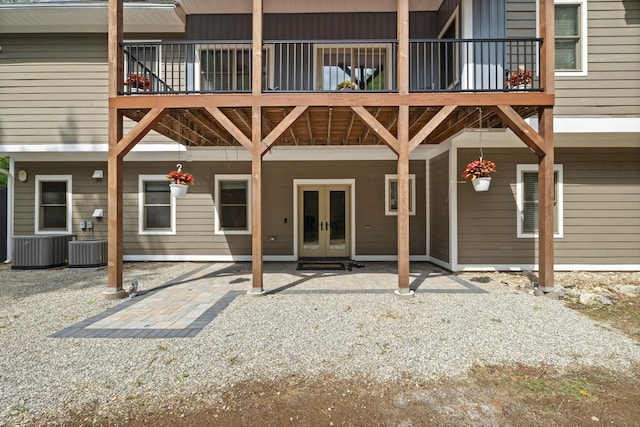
(30,252)
(88,253)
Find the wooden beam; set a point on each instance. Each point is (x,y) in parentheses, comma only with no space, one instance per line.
(403,200)
(522,129)
(350,126)
(403,46)
(140,130)
(546,191)
(293,135)
(115,163)
(282,127)
(230,127)
(329,125)
(214,130)
(366,133)
(377,128)
(308,114)
(547,50)
(340,99)
(427,129)
(256,201)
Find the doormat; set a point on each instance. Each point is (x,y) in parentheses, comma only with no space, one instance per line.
(320,266)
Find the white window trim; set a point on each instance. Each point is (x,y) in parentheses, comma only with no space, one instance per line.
(231,177)
(583,37)
(47,178)
(412,195)
(172,200)
(520,199)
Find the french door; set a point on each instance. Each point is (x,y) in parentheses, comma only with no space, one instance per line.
(323,226)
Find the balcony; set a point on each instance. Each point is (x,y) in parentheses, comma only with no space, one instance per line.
(328,66)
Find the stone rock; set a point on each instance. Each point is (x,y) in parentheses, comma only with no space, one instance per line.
(589,298)
(604,292)
(629,290)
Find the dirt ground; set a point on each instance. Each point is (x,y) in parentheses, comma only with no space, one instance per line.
(488,396)
(494,396)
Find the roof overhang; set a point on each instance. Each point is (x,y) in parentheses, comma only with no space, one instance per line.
(192,7)
(88,17)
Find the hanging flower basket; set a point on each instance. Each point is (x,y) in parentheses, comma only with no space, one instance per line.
(180,182)
(479,171)
(481,184)
(178,190)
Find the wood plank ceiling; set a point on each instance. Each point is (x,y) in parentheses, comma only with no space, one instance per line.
(317,125)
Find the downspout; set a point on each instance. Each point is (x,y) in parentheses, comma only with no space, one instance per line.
(10,184)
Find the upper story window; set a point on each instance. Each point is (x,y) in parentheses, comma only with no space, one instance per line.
(53,204)
(226,68)
(571,38)
(528,201)
(157,209)
(233,204)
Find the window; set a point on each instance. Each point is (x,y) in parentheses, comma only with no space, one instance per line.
(365,65)
(527,199)
(226,69)
(157,209)
(53,204)
(391,194)
(233,204)
(570,32)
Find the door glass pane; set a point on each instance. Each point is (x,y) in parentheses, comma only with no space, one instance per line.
(311,237)
(337,220)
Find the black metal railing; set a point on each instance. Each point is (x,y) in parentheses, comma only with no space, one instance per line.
(478,65)
(435,65)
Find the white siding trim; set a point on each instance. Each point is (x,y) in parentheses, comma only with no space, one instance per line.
(46,178)
(557,267)
(172,201)
(453,207)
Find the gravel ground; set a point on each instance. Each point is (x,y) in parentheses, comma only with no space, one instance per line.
(368,336)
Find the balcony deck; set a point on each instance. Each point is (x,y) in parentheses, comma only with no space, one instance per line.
(329,77)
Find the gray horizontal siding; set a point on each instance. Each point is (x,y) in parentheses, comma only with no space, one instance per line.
(53,90)
(375,232)
(612,86)
(601,210)
(439,207)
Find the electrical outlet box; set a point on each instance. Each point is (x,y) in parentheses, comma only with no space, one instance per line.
(83,225)
(89,225)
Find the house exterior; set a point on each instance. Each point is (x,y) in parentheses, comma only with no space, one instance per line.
(246,97)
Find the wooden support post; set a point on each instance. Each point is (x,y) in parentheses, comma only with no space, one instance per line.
(403,148)
(256,202)
(403,200)
(546,192)
(115,167)
(256,153)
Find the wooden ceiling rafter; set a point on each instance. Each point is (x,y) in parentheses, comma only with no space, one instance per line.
(368,130)
(216,132)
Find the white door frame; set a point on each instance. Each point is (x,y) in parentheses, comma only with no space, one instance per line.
(351,183)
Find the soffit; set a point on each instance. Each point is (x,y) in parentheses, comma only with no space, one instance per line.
(192,7)
(88,18)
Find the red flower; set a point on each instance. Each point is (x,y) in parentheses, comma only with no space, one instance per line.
(138,81)
(479,169)
(180,177)
(522,77)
